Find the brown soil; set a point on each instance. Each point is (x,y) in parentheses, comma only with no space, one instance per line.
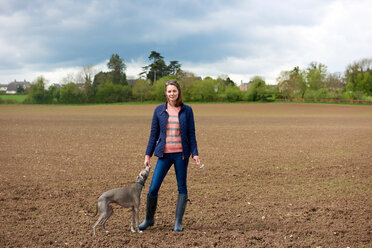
(276,175)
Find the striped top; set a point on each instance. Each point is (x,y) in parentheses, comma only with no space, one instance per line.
(173,142)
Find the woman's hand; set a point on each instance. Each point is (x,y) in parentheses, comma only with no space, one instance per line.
(147,161)
(196,159)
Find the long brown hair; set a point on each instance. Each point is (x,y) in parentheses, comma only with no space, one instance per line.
(179,100)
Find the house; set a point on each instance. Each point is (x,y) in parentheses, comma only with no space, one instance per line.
(58,86)
(243,86)
(13,86)
(3,87)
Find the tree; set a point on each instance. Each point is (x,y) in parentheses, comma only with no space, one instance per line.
(155,56)
(334,81)
(204,90)
(111,93)
(37,93)
(315,75)
(20,90)
(229,82)
(123,80)
(69,78)
(186,80)
(100,79)
(298,81)
(292,83)
(356,78)
(117,67)
(173,67)
(226,80)
(158,68)
(54,93)
(256,89)
(152,71)
(363,82)
(85,77)
(233,93)
(71,94)
(86,74)
(141,89)
(126,93)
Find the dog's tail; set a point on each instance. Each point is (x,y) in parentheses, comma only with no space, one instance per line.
(94,214)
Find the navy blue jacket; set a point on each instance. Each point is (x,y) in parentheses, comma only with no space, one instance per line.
(156,142)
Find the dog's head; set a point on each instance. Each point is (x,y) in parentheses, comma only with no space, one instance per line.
(142,176)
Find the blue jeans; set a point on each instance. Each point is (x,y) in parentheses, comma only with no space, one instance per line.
(162,167)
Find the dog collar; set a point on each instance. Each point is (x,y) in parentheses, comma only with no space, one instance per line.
(140,181)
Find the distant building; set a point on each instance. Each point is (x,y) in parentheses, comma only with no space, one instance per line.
(13,86)
(3,87)
(58,86)
(243,86)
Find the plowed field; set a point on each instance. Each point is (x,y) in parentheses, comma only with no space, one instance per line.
(275,175)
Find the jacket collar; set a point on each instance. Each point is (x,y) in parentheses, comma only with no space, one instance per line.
(164,107)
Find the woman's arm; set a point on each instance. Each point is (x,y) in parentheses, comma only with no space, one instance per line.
(196,159)
(192,137)
(154,135)
(147,161)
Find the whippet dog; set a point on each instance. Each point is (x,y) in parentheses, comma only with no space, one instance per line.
(128,197)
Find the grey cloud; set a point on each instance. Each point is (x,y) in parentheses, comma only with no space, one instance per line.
(47,34)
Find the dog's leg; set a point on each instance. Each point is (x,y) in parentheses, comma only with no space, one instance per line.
(100,218)
(136,210)
(110,211)
(101,210)
(133,222)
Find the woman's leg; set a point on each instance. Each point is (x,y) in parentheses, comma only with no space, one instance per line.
(180,167)
(161,170)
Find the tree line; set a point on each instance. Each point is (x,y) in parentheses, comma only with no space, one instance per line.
(313,82)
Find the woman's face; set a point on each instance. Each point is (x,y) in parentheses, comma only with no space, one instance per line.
(172,93)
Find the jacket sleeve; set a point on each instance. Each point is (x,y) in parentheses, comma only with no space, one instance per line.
(191,133)
(154,134)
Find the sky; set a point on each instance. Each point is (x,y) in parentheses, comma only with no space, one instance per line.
(241,39)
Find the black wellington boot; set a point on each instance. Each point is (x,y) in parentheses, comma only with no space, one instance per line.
(180,210)
(150,212)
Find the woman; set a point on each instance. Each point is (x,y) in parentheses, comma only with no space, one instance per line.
(172,140)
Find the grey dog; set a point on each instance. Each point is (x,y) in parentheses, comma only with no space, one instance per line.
(128,197)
